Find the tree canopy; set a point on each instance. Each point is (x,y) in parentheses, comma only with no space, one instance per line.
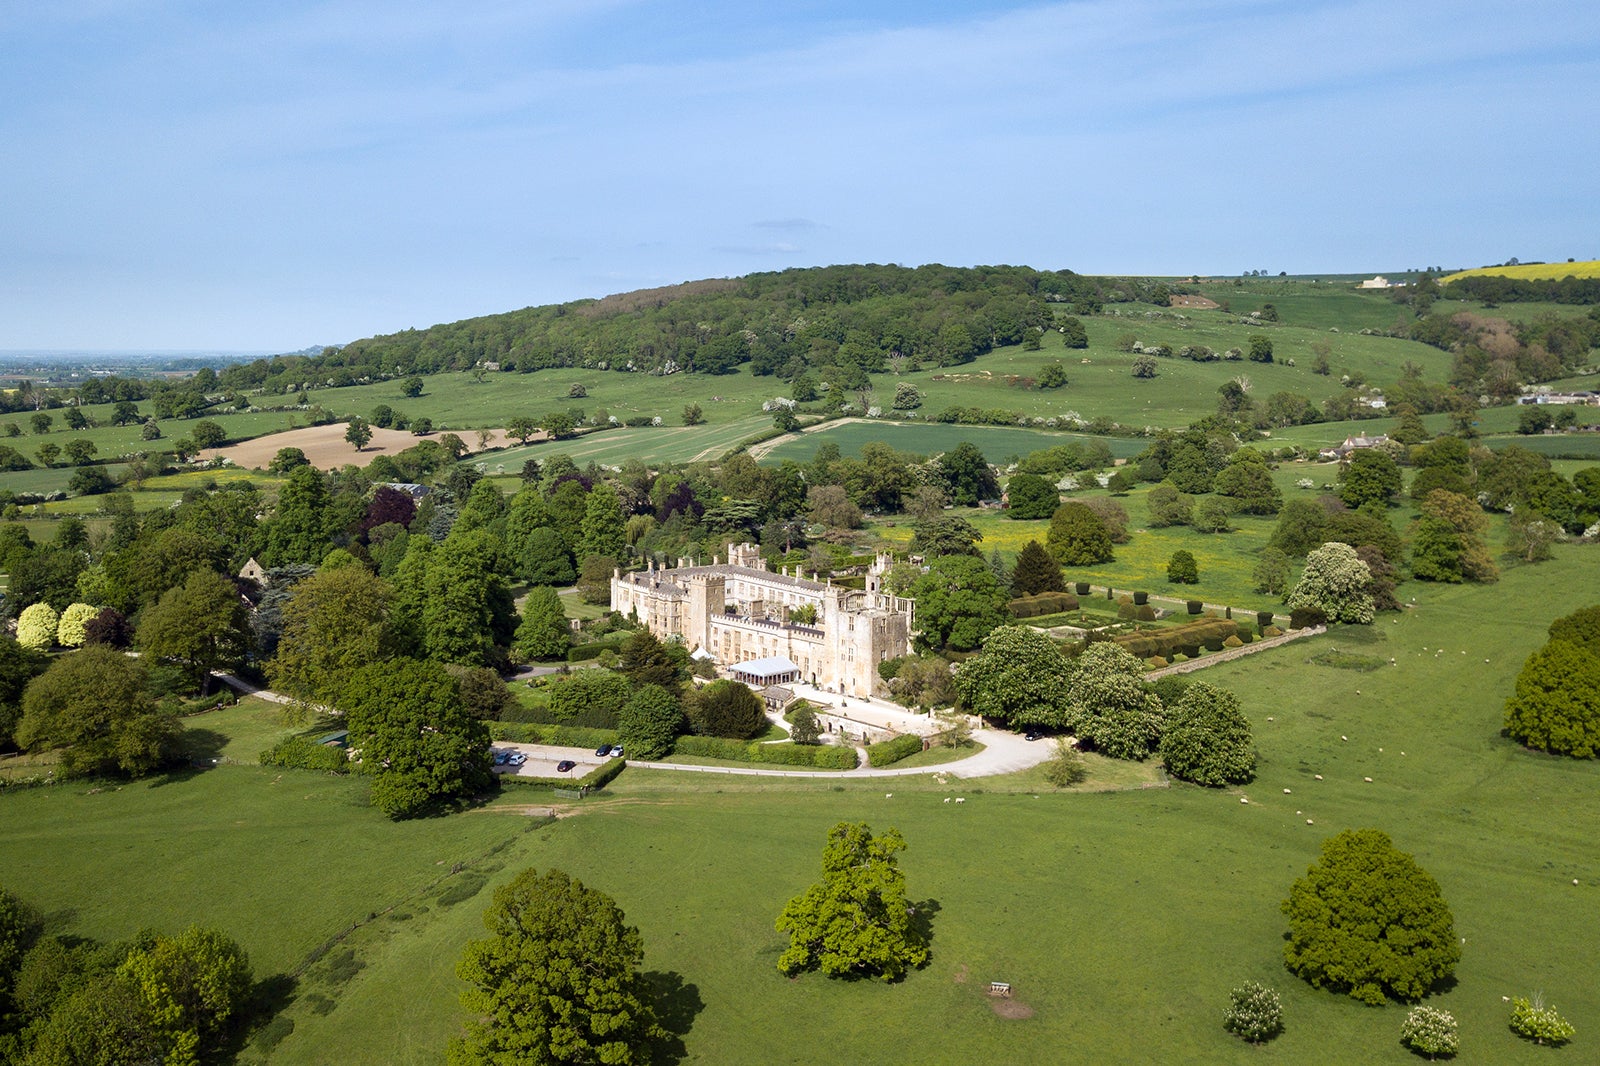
(1556,705)
(1336,582)
(1368,921)
(92,704)
(556,981)
(1078,537)
(1019,678)
(856,921)
(1207,738)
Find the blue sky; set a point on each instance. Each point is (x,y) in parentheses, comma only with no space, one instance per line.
(264,176)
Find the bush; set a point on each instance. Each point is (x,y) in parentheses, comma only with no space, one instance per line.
(1182,569)
(565,736)
(726,709)
(1429,1031)
(1081,588)
(1194,606)
(1233,642)
(1042,603)
(1534,1021)
(303,753)
(1245,632)
(1141,598)
(1272,631)
(889,752)
(1146,613)
(1254,1014)
(1307,617)
(36,626)
(823,756)
(1263,619)
(1066,767)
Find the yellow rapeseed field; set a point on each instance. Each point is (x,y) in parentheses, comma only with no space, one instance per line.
(1550,271)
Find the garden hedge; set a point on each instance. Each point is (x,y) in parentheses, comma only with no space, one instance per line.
(889,752)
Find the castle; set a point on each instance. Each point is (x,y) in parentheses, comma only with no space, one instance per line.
(737,613)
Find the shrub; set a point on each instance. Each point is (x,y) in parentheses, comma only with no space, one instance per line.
(1307,617)
(1430,1031)
(889,752)
(36,626)
(1233,642)
(1081,588)
(1155,662)
(1254,1014)
(1263,619)
(1066,767)
(1272,631)
(1245,632)
(1194,606)
(1146,613)
(1532,1020)
(1141,598)
(1183,570)
(726,709)
(72,631)
(303,753)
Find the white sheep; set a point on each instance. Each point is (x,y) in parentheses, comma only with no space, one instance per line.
(961,799)
(888,795)
(947,799)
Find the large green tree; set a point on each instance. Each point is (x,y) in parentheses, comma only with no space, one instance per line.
(1207,738)
(1078,537)
(201,625)
(1031,496)
(1556,706)
(1368,476)
(856,921)
(300,529)
(1020,678)
(334,623)
(92,704)
(726,709)
(1368,921)
(967,475)
(18,666)
(1109,707)
(650,722)
(1036,571)
(556,981)
(413,731)
(958,602)
(543,633)
(1247,480)
(602,530)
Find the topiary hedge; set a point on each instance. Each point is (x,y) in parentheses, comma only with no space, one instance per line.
(1195,606)
(1042,603)
(821,756)
(889,752)
(1081,588)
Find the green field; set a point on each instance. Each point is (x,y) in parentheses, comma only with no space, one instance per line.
(926,438)
(1120,919)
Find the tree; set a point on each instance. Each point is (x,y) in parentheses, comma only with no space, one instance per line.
(1031,496)
(832,506)
(200,625)
(1109,707)
(1431,1032)
(1182,568)
(358,432)
(649,723)
(411,387)
(856,921)
(1447,542)
(1260,348)
(1207,738)
(645,660)
(1271,574)
(1336,582)
(1367,920)
(944,535)
(18,666)
(907,397)
(48,453)
(1301,527)
(1036,571)
(41,422)
(1169,507)
(958,602)
(556,981)
(208,434)
(92,704)
(80,451)
(1078,537)
(1532,1020)
(693,415)
(191,984)
(1145,367)
(544,632)
(299,531)
(1247,480)
(543,559)
(335,622)
(968,476)
(1020,679)
(413,731)
(602,531)
(37,626)
(803,725)
(1556,705)
(594,579)
(1254,1014)
(1368,476)
(598,695)
(726,709)
(1053,375)
(1211,515)
(483,691)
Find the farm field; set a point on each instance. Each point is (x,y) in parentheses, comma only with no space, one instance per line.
(657,444)
(926,438)
(1121,919)
(1534,271)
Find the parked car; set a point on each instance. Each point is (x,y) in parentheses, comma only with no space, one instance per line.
(564,765)
(517,758)
(616,752)
(1032,734)
(603,750)
(500,757)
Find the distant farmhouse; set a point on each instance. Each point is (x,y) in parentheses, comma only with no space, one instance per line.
(1381,282)
(1352,444)
(1561,398)
(736,613)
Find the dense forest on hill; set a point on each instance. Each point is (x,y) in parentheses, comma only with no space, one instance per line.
(838,322)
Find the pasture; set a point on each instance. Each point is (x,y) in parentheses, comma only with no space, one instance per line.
(927,438)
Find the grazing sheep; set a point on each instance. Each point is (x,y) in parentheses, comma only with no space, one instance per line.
(947,799)
(888,795)
(961,799)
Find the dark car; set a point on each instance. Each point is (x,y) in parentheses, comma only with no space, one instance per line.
(564,765)
(1032,734)
(602,750)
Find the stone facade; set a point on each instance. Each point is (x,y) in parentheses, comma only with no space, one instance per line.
(738,611)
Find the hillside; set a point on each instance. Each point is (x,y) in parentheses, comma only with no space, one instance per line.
(1531,271)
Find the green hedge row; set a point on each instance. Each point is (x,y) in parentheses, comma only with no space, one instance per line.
(580,653)
(889,752)
(303,753)
(820,756)
(1188,639)
(1042,603)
